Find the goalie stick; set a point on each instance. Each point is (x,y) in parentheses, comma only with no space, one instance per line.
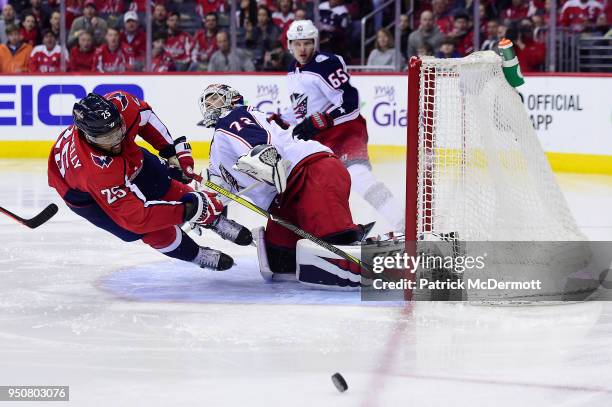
(37,220)
(290,226)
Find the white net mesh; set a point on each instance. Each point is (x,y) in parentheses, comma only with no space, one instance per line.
(482,173)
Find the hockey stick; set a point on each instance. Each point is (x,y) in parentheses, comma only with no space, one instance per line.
(288,225)
(37,220)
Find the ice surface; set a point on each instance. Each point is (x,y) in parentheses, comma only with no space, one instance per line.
(124,326)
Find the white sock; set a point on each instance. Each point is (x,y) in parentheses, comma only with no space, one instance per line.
(377,194)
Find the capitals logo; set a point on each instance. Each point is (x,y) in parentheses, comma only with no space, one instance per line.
(300,105)
(102,161)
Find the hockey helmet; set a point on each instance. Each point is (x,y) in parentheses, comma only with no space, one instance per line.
(303,30)
(99,120)
(216,101)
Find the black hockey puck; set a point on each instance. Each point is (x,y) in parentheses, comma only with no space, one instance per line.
(339,382)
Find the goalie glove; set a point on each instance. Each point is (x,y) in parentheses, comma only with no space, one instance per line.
(265,164)
(312,125)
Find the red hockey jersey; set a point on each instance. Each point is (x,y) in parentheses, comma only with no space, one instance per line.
(120,60)
(74,164)
(137,42)
(203,46)
(79,60)
(42,60)
(179,46)
(577,14)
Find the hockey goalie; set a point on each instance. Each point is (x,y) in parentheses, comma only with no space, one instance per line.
(300,181)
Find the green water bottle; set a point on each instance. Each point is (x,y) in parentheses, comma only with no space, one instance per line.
(510,63)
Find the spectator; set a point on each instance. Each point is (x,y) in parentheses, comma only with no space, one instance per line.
(300,14)
(227,60)
(518,10)
(135,38)
(263,36)
(601,26)
(427,33)
(206,7)
(405,32)
(204,43)
(580,14)
(462,34)
(54,23)
(277,60)
(40,13)
(491,39)
(384,52)
(74,8)
(112,56)
(111,11)
(538,23)
(284,16)
(447,49)
(502,30)
(247,12)
(425,50)
(334,25)
(47,56)
(14,55)
(442,16)
(82,54)
(530,53)
(95,25)
(113,7)
(178,43)
(161,60)
(8,17)
(160,17)
(269,4)
(29,30)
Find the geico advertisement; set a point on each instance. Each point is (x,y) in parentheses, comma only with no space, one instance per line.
(38,107)
(570,114)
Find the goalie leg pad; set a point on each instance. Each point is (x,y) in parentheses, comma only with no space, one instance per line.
(262,255)
(319,268)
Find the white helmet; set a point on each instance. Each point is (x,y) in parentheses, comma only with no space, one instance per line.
(303,30)
(227,99)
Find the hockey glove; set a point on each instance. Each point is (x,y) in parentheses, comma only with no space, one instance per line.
(264,163)
(179,156)
(201,208)
(312,125)
(276,118)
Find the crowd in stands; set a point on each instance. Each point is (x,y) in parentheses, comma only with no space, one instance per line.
(193,35)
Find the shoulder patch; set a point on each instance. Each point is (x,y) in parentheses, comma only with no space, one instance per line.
(102,161)
(321,58)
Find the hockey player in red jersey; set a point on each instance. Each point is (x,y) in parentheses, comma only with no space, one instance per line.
(300,181)
(326,109)
(104,177)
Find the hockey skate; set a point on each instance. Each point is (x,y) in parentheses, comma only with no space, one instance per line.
(213,259)
(231,230)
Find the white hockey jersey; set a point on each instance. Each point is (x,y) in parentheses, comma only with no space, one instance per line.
(322,85)
(237,133)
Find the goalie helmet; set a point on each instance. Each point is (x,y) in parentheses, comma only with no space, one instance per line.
(216,101)
(303,30)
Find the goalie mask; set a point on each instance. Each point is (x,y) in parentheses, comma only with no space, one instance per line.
(216,101)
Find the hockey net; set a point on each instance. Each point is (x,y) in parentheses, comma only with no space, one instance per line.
(478,167)
(476,171)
